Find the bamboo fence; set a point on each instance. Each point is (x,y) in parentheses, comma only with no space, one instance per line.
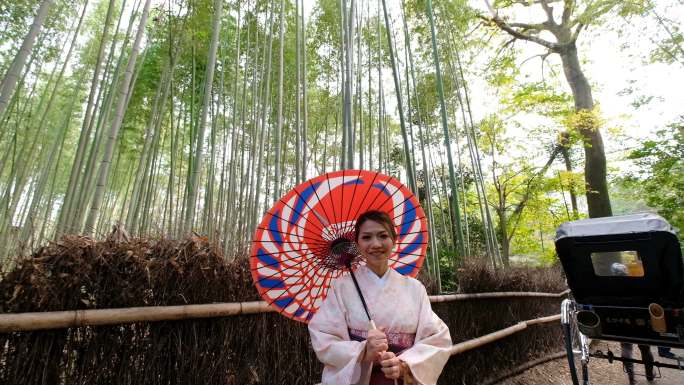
(98,317)
(499,334)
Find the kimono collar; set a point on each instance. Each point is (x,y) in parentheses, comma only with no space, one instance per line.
(380,281)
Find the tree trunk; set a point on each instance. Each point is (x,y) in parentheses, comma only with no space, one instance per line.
(305,111)
(44,175)
(208,212)
(473,147)
(447,141)
(505,240)
(134,204)
(116,124)
(23,172)
(349,74)
(14,100)
(193,186)
(86,126)
(148,215)
(279,128)
(598,200)
(298,101)
(77,206)
(263,132)
(257,90)
(397,89)
(565,152)
(9,81)
(49,205)
(427,201)
(229,218)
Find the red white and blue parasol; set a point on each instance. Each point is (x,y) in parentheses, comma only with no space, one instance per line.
(307,238)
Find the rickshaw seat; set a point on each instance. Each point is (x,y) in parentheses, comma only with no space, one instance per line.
(616,267)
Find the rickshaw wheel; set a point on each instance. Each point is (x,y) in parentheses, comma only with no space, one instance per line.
(567,331)
(575,342)
(585,373)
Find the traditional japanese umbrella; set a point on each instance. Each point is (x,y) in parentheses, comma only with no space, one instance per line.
(307,238)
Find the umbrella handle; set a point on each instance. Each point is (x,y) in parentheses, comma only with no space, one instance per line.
(371,326)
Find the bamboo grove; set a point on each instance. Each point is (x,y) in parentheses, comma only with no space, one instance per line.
(172,117)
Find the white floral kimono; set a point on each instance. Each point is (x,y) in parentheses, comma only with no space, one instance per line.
(397,303)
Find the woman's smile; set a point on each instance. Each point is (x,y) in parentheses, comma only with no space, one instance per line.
(375,244)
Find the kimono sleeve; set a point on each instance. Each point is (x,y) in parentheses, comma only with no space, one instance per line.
(330,340)
(431,349)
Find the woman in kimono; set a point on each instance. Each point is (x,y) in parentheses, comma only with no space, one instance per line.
(411,343)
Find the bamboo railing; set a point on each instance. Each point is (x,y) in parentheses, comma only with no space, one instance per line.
(497,335)
(502,294)
(97,317)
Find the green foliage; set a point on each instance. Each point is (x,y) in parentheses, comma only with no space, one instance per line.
(582,121)
(534,237)
(502,70)
(671,48)
(179,32)
(15,19)
(448,259)
(454,16)
(540,98)
(627,196)
(527,202)
(661,173)
(325,35)
(427,107)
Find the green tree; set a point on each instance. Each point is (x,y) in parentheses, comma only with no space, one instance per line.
(9,80)
(565,27)
(661,173)
(516,184)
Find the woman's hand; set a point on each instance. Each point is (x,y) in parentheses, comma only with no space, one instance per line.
(376,344)
(392,366)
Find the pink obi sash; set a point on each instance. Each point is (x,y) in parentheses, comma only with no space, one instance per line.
(398,342)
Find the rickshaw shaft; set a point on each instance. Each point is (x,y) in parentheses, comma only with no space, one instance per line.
(610,357)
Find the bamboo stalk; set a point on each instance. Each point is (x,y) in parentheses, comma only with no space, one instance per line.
(505,294)
(78,318)
(447,141)
(98,317)
(551,318)
(9,81)
(487,338)
(499,334)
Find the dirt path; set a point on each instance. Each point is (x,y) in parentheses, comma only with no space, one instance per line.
(601,372)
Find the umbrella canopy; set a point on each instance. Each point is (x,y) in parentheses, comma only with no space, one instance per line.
(307,238)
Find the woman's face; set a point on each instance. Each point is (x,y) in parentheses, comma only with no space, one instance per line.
(375,244)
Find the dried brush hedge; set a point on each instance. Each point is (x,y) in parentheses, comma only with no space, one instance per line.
(476,276)
(80,273)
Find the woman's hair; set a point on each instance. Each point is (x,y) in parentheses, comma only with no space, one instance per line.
(380,217)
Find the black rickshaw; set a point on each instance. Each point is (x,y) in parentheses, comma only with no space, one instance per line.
(626,276)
